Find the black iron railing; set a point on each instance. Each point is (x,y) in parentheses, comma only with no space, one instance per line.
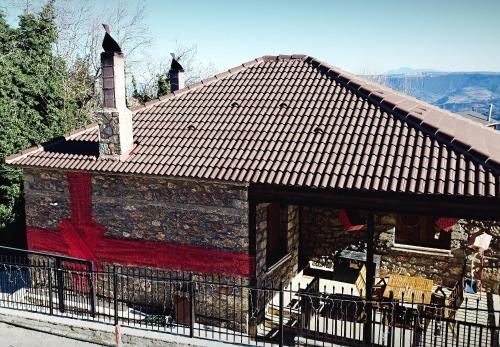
(231,310)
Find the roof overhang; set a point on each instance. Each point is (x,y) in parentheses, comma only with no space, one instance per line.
(467,207)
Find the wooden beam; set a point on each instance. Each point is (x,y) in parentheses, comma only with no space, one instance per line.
(485,208)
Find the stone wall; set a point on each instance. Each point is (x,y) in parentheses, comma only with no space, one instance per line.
(443,269)
(189,212)
(491,271)
(205,214)
(212,215)
(46,197)
(219,300)
(282,271)
(322,233)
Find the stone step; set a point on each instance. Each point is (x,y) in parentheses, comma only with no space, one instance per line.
(292,310)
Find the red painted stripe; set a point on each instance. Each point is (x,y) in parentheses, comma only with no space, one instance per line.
(80,192)
(81,237)
(143,253)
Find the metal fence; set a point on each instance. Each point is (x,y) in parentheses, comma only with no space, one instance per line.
(231,310)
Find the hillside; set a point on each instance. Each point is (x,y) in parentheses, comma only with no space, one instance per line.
(454,91)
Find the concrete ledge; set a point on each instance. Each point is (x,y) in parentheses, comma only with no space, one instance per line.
(422,250)
(97,333)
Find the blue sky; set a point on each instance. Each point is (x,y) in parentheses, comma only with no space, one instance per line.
(359,36)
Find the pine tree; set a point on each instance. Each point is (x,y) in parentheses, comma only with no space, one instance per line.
(163,84)
(33,105)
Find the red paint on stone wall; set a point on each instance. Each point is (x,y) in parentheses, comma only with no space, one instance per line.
(81,237)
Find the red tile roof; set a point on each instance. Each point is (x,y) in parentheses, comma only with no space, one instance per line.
(295,121)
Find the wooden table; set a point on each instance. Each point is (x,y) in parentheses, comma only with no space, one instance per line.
(418,287)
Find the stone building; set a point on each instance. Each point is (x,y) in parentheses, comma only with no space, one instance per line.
(252,172)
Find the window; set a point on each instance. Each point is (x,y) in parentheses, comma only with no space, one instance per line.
(421,231)
(277,222)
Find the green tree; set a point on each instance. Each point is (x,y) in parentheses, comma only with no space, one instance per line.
(163,84)
(146,92)
(34,106)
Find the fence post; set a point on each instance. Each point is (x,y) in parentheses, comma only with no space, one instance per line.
(92,290)
(49,278)
(390,319)
(370,276)
(115,294)
(281,303)
(191,305)
(60,284)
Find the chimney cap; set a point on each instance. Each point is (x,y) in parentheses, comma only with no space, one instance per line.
(108,43)
(175,66)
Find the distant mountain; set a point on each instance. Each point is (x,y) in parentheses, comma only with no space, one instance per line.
(454,91)
(405,70)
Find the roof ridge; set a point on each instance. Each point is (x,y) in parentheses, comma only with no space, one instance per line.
(216,77)
(428,118)
(67,137)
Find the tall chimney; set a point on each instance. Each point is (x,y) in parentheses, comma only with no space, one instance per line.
(490,113)
(176,75)
(115,119)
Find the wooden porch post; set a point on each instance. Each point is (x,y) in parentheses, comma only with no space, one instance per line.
(370,278)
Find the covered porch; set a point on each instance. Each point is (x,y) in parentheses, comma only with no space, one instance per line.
(363,263)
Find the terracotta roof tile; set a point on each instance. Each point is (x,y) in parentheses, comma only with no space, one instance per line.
(293,120)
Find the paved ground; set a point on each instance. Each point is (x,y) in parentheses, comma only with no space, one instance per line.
(11,336)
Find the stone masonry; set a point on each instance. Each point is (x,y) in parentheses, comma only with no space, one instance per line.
(443,269)
(109,132)
(322,233)
(158,209)
(287,269)
(196,213)
(491,271)
(47,198)
(212,215)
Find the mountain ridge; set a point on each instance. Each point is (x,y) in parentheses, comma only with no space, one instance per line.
(454,91)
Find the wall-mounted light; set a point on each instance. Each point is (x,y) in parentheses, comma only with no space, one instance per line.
(54,203)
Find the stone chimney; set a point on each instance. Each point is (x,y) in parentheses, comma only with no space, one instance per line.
(176,74)
(115,119)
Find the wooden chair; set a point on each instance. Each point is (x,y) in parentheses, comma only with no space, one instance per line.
(446,306)
(377,289)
